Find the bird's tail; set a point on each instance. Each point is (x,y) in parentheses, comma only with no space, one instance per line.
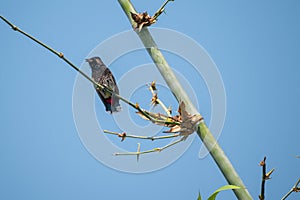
(115,106)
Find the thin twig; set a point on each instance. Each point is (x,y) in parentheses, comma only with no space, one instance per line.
(265,176)
(159,149)
(61,55)
(135,106)
(263,180)
(295,188)
(125,135)
(158,101)
(161,9)
(164,107)
(162,120)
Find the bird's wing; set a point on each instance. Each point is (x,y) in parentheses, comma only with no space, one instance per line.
(107,79)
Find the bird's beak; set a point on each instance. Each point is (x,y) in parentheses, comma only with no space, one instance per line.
(88,60)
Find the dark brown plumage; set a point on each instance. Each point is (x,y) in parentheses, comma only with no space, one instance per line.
(102,75)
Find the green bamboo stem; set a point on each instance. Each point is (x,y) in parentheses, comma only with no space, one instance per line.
(202,130)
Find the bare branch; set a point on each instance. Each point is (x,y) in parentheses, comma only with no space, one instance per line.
(125,135)
(61,55)
(263,180)
(155,100)
(161,9)
(138,152)
(295,188)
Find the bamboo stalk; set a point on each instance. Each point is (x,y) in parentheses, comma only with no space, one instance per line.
(203,132)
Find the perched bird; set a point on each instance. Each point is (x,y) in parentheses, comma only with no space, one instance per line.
(102,75)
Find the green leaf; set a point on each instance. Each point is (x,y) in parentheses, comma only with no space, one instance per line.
(226,187)
(199,196)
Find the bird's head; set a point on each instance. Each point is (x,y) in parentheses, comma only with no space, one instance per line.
(94,62)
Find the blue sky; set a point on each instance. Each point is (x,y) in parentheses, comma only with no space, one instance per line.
(255,46)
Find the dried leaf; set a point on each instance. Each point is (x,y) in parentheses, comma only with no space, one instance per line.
(137,18)
(179,110)
(142,19)
(174,129)
(153,85)
(189,121)
(184,123)
(154,98)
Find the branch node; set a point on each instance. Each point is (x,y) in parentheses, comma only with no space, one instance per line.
(158,149)
(137,105)
(122,135)
(296,189)
(263,162)
(15,28)
(267,175)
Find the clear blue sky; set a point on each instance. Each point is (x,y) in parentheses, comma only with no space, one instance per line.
(255,46)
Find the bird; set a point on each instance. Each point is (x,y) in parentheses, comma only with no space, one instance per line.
(103,76)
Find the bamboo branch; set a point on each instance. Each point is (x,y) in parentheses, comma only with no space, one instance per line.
(125,135)
(203,132)
(265,176)
(295,188)
(263,179)
(162,120)
(158,149)
(148,115)
(161,9)
(61,55)
(155,100)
